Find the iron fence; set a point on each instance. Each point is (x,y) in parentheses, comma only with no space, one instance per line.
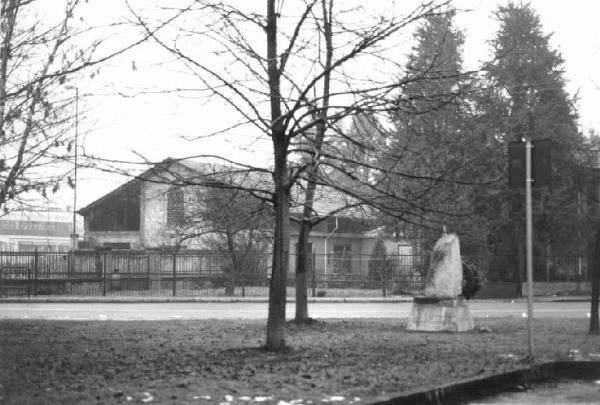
(207,274)
(573,268)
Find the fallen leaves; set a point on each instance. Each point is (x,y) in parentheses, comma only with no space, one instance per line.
(154,362)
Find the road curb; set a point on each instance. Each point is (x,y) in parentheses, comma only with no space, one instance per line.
(483,387)
(124,300)
(355,300)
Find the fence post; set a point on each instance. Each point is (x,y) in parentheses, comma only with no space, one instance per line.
(174,273)
(1,275)
(28,281)
(313,276)
(148,282)
(104,276)
(35,271)
(243,276)
(548,263)
(70,269)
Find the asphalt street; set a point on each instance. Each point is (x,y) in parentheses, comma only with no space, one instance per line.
(252,310)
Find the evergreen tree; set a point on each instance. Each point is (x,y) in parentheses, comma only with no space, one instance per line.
(438,136)
(356,148)
(528,100)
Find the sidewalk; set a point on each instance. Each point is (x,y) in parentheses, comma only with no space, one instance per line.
(188,299)
(138,299)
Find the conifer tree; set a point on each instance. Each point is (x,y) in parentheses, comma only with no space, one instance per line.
(437,134)
(530,102)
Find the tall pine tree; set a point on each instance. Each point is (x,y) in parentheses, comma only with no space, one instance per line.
(437,136)
(528,100)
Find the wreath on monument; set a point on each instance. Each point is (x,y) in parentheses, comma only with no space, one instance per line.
(472,281)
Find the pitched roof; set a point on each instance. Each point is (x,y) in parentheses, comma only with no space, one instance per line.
(194,173)
(121,189)
(327,201)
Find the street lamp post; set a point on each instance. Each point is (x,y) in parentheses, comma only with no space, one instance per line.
(529,248)
(75,168)
(594,269)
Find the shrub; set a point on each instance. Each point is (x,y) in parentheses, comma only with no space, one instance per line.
(472,281)
(380,266)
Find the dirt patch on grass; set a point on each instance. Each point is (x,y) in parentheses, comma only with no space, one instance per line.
(181,362)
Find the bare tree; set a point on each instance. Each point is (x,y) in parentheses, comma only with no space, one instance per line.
(43,50)
(380,168)
(283,94)
(35,114)
(312,168)
(225,219)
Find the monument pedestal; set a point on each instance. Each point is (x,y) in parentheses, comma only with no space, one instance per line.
(440,314)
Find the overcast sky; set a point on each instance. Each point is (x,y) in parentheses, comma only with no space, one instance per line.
(152,125)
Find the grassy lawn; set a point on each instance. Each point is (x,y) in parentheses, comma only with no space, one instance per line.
(180,362)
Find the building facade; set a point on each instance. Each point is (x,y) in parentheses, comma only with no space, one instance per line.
(145,213)
(48,230)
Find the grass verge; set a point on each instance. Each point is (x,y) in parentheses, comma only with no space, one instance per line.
(181,362)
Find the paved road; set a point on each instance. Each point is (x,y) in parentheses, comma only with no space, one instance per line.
(249,310)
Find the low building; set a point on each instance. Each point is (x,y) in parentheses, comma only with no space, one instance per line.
(44,230)
(145,212)
(342,246)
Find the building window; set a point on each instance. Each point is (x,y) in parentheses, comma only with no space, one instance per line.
(117,212)
(342,258)
(175,206)
(117,245)
(31,246)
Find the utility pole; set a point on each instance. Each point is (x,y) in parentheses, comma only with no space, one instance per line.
(595,267)
(521,157)
(74,236)
(529,248)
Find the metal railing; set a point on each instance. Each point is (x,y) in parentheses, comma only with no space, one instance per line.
(208,274)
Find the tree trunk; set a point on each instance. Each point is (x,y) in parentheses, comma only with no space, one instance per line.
(235,265)
(281,246)
(312,171)
(301,271)
(281,198)
(595,270)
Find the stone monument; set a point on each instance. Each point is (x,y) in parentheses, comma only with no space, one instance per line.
(442,308)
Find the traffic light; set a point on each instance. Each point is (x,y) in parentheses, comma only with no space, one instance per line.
(541,163)
(516,164)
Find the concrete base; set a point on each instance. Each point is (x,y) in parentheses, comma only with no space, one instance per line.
(438,314)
